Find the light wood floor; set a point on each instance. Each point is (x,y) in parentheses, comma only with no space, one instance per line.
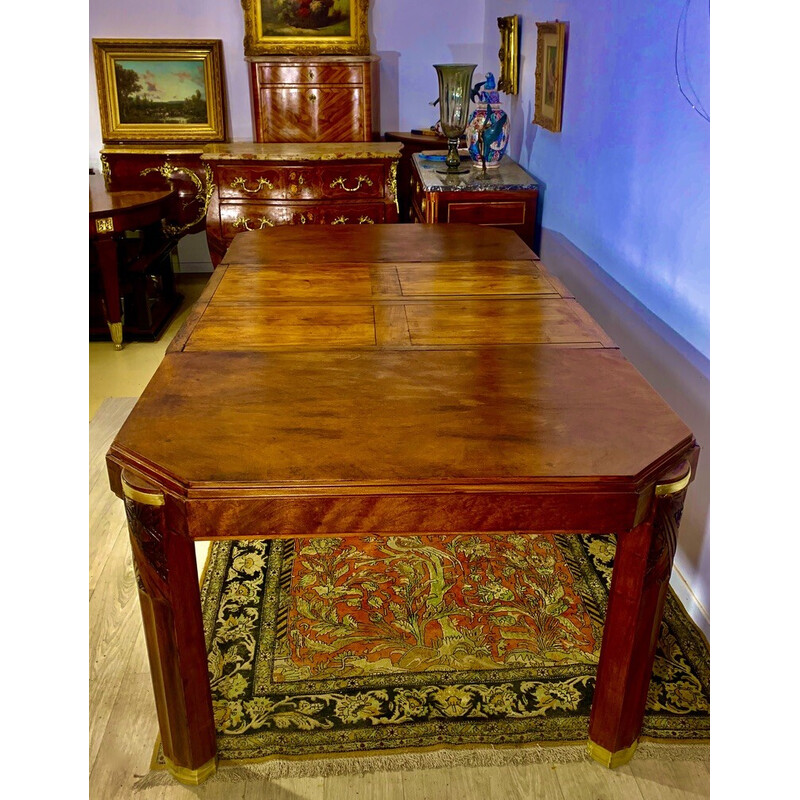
(122,716)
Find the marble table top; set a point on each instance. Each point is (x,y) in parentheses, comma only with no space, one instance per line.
(507,176)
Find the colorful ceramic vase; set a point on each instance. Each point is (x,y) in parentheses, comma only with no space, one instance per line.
(488,126)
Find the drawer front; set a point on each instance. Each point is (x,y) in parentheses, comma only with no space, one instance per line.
(346,181)
(249,182)
(309,73)
(352,213)
(353,181)
(494,212)
(238,217)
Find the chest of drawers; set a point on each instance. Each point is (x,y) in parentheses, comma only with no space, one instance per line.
(263,185)
(314,98)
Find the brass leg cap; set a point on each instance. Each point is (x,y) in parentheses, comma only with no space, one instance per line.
(115,329)
(609,759)
(192,777)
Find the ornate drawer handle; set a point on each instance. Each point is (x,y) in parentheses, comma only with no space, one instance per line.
(365,220)
(244,222)
(361,179)
(339,220)
(262,182)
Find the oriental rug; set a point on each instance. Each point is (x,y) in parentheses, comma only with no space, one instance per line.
(408,644)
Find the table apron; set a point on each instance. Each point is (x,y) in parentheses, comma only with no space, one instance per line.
(239,518)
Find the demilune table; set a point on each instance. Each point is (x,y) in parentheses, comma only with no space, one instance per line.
(394,379)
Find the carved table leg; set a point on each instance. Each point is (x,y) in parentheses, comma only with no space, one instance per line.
(107,259)
(639,583)
(169,594)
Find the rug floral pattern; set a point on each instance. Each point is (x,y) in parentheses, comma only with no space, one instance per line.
(349,645)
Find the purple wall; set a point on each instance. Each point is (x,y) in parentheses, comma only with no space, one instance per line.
(627,179)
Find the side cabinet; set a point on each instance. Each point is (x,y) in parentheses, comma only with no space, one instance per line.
(314,98)
(152,168)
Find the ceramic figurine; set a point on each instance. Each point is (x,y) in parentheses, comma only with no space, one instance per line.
(488,126)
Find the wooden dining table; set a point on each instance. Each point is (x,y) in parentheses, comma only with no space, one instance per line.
(376,380)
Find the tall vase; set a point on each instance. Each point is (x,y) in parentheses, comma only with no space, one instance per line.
(488,127)
(454,93)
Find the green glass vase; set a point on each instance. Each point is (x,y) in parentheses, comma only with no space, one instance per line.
(455,81)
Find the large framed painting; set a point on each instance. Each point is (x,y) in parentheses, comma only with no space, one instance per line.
(550,50)
(305,27)
(160,90)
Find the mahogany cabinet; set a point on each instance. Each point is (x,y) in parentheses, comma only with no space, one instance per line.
(314,98)
(262,185)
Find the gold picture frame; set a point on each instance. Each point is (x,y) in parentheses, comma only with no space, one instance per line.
(160,90)
(305,27)
(509,54)
(550,51)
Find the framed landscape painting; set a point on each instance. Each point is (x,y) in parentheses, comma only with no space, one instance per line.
(305,27)
(550,49)
(160,90)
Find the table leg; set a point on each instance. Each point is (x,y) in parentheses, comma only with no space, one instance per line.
(107,259)
(169,594)
(639,584)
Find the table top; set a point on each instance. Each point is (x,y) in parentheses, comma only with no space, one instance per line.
(398,358)
(506,176)
(105,203)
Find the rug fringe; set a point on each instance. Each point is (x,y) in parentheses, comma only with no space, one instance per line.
(437,759)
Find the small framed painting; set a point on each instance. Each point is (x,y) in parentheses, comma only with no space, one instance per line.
(305,27)
(550,49)
(160,90)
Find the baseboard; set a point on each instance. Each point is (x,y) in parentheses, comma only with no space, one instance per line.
(690,602)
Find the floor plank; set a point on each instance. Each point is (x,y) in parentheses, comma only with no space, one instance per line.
(373,786)
(124,754)
(586,780)
(286,789)
(672,780)
(113,622)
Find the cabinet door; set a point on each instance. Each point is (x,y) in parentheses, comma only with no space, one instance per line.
(312,114)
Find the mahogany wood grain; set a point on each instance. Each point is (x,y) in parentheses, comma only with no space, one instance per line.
(398,244)
(406,379)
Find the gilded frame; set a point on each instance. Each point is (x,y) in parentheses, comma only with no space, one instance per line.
(509,54)
(165,65)
(265,35)
(550,52)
